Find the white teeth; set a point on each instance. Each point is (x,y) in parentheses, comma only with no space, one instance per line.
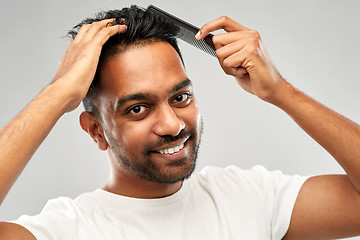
(171,150)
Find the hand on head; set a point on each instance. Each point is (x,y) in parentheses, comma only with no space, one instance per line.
(78,66)
(241,54)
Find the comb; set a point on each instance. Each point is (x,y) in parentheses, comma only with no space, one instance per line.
(187,31)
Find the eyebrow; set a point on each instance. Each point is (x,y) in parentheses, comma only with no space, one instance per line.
(181,85)
(145,96)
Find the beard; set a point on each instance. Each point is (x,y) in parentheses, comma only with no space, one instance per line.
(145,167)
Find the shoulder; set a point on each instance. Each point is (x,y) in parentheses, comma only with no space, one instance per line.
(9,231)
(58,214)
(67,204)
(256,175)
(257,179)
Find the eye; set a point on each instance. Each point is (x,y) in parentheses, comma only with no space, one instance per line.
(138,110)
(183,99)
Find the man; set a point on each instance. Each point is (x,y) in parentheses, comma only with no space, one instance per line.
(142,111)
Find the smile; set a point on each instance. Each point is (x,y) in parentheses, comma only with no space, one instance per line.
(171,150)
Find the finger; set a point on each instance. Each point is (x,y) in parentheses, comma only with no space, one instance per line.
(235,64)
(233,57)
(98,26)
(235,46)
(229,49)
(221,40)
(224,22)
(104,34)
(84,28)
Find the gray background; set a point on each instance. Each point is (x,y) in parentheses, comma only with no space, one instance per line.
(314,44)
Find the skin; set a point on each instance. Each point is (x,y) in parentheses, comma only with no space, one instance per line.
(242,54)
(154,120)
(327,206)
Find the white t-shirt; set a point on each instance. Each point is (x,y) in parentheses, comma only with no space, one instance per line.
(215,203)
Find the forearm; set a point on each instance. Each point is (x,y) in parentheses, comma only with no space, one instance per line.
(21,137)
(335,133)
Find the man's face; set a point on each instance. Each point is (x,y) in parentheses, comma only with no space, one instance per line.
(151,122)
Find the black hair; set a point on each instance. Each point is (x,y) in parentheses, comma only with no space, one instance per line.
(142,27)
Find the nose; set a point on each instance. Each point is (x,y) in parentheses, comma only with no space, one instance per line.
(168,123)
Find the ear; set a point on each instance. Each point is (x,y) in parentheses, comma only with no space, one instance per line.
(90,124)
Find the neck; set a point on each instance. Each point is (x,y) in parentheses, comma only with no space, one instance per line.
(126,184)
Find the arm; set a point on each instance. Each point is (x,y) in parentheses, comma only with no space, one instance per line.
(241,53)
(20,138)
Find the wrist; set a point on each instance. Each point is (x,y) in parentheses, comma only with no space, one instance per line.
(284,95)
(59,97)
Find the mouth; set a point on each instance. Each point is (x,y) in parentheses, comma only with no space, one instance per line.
(174,150)
(171,150)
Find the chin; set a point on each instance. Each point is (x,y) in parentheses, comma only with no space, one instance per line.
(176,172)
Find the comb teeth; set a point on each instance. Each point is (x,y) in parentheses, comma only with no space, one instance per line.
(202,45)
(187,31)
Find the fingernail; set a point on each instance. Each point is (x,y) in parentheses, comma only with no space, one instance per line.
(122,21)
(109,24)
(197,36)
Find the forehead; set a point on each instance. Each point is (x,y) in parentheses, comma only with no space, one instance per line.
(146,68)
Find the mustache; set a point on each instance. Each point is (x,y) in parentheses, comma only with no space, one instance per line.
(167,139)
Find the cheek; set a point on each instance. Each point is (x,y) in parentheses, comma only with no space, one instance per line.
(134,135)
(192,117)
(198,118)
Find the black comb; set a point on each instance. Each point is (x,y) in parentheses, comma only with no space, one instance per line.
(187,31)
